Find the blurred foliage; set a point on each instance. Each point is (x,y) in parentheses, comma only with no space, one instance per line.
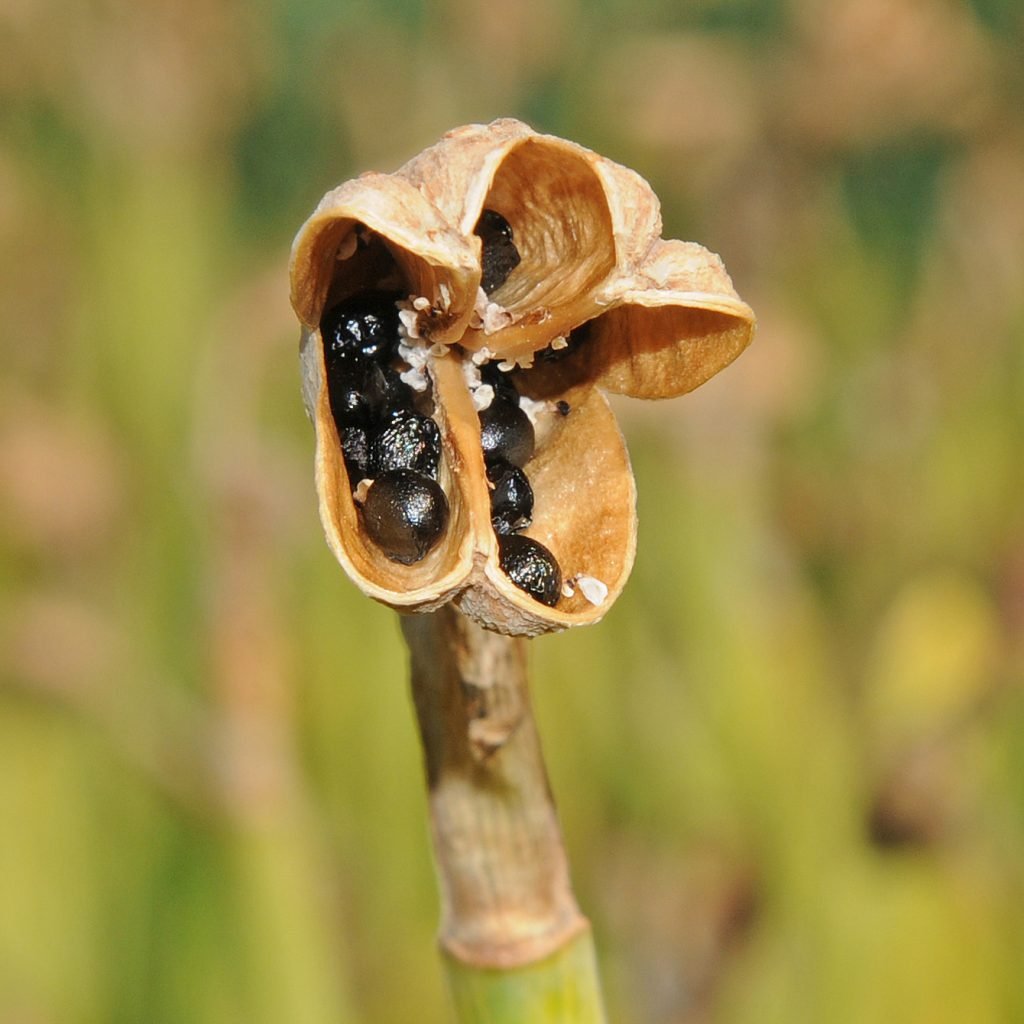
(789,763)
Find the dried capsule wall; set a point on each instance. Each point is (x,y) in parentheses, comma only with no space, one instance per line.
(543,269)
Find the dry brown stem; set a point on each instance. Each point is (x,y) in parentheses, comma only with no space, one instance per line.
(506,897)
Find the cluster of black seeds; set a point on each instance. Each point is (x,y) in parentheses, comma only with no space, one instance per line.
(386,440)
(383,437)
(506,435)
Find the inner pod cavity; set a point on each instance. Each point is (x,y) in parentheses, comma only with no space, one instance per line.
(382,404)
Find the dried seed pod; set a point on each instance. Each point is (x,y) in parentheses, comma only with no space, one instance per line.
(597,301)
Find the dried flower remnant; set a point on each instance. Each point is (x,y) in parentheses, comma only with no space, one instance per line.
(461,319)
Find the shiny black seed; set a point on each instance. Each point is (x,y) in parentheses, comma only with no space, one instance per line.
(394,395)
(493,227)
(407,441)
(499,254)
(366,323)
(553,355)
(506,433)
(578,336)
(511,499)
(352,381)
(356,449)
(531,567)
(405,514)
(563,408)
(500,381)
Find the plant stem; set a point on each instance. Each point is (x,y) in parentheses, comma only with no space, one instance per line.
(515,940)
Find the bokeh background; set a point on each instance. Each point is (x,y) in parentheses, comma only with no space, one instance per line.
(789,763)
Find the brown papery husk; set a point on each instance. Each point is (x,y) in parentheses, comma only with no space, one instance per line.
(642,351)
(455,174)
(554,195)
(424,250)
(549,192)
(666,329)
(584,513)
(642,316)
(635,213)
(628,356)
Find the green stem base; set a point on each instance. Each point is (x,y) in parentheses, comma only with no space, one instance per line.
(563,988)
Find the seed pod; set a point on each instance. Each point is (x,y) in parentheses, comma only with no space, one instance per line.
(597,301)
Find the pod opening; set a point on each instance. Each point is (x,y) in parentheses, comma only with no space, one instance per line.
(362,262)
(386,449)
(560,222)
(554,205)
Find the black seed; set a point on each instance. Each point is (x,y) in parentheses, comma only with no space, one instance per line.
(578,336)
(511,499)
(554,355)
(506,433)
(356,449)
(500,381)
(493,227)
(405,514)
(500,255)
(407,441)
(531,567)
(352,381)
(394,395)
(563,407)
(366,323)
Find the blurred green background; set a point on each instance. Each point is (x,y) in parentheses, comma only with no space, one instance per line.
(789,763)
